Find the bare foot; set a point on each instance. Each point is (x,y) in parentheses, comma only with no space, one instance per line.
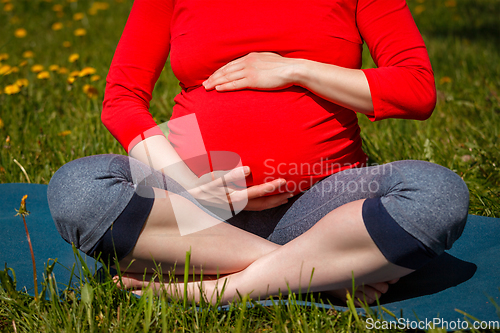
(366,294)
(137,282)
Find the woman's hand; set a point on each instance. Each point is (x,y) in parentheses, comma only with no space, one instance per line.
(263,70)
(226,190)
(269,71)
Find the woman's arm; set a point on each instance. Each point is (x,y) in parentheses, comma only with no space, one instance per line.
(346,87)
(211,190)
(401,87)
(138,61)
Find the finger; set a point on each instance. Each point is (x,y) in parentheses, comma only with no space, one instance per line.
(224,74)
(228,74)
(233,66)
(368,295)
(233,179)
(263,189)
(126,282)
(228,80)
(215,179)
(237,174)
(381,287)
(232,85)
(393,281)
(361,298)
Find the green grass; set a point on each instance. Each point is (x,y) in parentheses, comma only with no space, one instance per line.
(463,39)
(97,306)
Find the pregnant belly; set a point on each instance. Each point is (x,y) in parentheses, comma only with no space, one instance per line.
(290,134)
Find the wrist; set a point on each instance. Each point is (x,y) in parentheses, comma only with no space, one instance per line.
(301,72)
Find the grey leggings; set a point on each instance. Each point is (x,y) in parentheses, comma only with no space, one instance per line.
(413,212)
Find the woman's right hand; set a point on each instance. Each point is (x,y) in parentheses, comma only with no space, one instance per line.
(227,190)
(221,189)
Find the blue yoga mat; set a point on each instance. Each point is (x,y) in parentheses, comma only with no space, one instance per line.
(466,278)
(46,241)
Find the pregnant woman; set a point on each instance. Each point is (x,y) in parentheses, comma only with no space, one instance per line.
(278,85)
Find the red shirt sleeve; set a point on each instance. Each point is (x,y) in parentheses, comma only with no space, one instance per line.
(138,61)
(403,84)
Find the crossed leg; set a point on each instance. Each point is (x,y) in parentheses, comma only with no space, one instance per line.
(336,248)
(325,231)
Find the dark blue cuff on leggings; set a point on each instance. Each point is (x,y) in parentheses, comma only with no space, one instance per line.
(121,237)
(397,245)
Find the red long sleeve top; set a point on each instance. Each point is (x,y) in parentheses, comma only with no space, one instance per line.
(290,133)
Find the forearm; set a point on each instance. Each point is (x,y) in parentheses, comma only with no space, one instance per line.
(270,71)
(346,87)
(157,152)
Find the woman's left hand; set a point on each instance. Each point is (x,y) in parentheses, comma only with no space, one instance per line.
(256,70)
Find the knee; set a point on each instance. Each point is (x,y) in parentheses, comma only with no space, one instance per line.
(446,191)
(61,194)
(454,201)
(438,202)
(81,194)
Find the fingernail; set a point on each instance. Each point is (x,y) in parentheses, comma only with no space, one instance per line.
(284,202)
(290,195)
(246,170)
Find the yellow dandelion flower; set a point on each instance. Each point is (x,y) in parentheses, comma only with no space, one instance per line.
(28,54)
(23,63)
(78,16)
(80,32)
(43,75)
(100,5)
(8,7)
(20,33)
(70,80)
(66,44)
(1,126)
(14,69)
(64,133)
(63,70)
(36,68)
(87,71)
(53,68)
(445,79)
(57,26)
(92,11)
(72,0)
(90,91)
(11,89)
(74,73)
(57,8)
(95,78)
(22,82)
(5,69)
(419,10)
(4,56)
(450,3)
(74,57)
